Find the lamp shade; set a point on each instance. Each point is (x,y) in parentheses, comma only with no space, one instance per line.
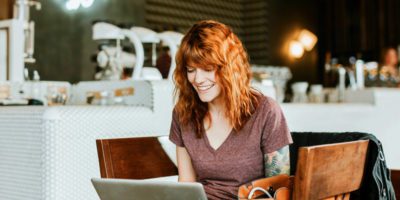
(307,39)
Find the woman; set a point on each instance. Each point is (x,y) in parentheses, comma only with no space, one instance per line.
(389,67)
(223,128)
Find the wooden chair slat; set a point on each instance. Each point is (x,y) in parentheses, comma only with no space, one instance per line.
(325,171)
(133,158)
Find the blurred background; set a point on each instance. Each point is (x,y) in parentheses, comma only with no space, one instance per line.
(344,29)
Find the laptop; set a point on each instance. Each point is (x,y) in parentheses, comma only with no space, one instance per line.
(127,189)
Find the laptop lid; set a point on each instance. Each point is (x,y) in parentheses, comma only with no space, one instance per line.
(126,189)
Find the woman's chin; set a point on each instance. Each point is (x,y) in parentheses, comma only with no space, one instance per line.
(205,99)
(208,98)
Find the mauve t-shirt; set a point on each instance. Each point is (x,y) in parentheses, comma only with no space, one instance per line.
(240,158)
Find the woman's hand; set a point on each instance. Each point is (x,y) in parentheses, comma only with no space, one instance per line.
(277,162)
(185,167)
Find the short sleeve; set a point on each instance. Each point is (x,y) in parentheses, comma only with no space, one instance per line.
(175,134)
(275,133)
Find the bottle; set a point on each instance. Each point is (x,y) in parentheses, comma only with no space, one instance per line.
(342,84)
(24,89)
(360,74)
(327,69)
(316,94)
(35,87)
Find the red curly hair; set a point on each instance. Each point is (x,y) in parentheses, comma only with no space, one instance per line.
(210,44)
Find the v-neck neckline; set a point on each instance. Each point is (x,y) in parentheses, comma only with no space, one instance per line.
(231,133)
(208,144)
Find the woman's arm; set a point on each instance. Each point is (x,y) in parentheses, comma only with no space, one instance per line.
(277,162)
(185,167)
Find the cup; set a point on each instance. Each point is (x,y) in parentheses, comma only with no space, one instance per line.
(300,92)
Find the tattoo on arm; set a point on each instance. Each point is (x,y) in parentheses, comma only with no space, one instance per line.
(277,162)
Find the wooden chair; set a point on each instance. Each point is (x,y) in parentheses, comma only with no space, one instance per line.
(395,175)
(329,171)
(133,158)
(326,172)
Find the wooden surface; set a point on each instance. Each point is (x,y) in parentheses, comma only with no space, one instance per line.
(133,158)
(6,9)
(396,182)
(325,171)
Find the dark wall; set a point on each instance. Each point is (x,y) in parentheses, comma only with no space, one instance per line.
(286,19)
(360,28)
(255,19)
(63,37)
(64,44)
(247,18)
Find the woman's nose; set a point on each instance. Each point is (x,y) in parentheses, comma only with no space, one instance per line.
(199,77)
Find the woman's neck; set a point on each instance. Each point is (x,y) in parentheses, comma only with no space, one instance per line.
(216,106)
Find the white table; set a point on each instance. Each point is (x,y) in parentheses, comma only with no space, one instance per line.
(380,116)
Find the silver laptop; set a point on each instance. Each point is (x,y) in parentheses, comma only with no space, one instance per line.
(125,189)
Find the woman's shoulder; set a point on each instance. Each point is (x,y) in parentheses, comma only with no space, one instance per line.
(175,114)
(266,103)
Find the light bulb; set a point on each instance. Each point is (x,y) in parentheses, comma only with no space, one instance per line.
(296,49)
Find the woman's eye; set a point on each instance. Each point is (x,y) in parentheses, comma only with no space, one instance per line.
(190,70)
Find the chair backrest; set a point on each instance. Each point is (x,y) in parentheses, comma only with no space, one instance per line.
(133,158)
(329,171)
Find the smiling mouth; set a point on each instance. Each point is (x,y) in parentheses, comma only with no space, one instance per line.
(204,88)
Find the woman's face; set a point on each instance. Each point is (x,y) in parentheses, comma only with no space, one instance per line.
(204,82)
